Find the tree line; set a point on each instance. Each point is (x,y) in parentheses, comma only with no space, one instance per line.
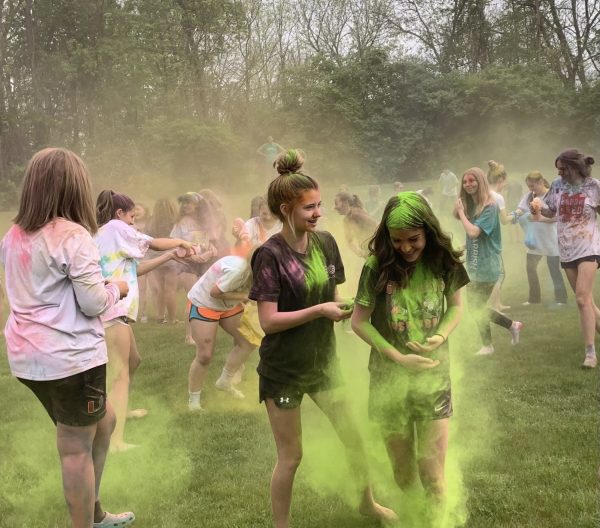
(383,89)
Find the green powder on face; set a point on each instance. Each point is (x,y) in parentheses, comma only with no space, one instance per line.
(409,212)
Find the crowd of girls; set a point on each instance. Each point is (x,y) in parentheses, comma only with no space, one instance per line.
(73,284)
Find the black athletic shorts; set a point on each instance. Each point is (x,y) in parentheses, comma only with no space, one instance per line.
(574,263)
(289,396)
(78,400)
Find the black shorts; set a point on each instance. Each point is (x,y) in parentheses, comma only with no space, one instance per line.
(289,395)
(78,400)
(574,263)
(393,412)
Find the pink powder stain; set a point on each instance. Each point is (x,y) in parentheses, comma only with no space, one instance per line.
(19,243)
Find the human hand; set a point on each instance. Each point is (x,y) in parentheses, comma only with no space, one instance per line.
(416,362)
(459,206)
(123,288)
(336,311)
(431,343)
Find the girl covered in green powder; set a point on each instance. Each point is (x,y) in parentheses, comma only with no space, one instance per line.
(408,303)
(295,278)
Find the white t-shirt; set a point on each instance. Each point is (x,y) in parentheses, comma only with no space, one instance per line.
(575,206)
(121,246)
(257,234)
(56,292)
(449,183)
(546,238)
(229,274)
(499,199)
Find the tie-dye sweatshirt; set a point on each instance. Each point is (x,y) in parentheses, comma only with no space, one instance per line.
(56,292)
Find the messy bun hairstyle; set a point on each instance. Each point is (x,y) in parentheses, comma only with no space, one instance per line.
(291,183)
(576,161)
(352,199)
(496,172)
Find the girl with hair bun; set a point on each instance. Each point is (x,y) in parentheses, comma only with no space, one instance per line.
(574,199)
(295,278)
(359,226)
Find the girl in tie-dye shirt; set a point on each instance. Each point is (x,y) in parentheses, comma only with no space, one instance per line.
(121,246)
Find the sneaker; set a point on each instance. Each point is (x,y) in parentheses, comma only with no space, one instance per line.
(189,340)
(229,388)
(515,331)
(590,361)
(526,303)
(194,406)
(112,520)
(485,350)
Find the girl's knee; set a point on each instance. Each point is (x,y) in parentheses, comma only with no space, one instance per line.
(134,363)
(583,299)
(204,354)
(290,460)
(405,478)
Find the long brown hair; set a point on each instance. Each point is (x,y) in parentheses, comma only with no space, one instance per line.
(474,206)
(56,185)
(414,212)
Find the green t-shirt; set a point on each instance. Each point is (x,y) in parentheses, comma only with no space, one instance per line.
(407,314)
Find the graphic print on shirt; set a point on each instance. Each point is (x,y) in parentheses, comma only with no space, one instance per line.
(571,208)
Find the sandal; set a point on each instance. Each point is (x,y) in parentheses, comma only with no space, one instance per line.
(115,520)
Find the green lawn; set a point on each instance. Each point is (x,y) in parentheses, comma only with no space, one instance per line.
(524,441)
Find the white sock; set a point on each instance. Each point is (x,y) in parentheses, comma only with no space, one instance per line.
(226,376)
(194,397)
(590,350)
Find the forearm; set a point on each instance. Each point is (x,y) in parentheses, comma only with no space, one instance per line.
(472,230)
(281,321)
(147,266)
(164,244)
(367,332)
(450,321)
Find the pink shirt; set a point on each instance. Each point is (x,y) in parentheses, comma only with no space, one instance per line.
(56,293)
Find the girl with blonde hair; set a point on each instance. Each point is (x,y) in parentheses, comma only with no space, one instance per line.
(478,214)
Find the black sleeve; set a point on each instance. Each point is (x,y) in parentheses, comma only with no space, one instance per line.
(266,284)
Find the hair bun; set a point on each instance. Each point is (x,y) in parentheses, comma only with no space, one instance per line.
(589,160)
(492,164)
(289,162)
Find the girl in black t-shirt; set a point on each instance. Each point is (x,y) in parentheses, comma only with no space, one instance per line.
(295,277)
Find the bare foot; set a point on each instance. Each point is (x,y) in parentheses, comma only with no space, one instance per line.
(121,447)
(137,413)
(377,511)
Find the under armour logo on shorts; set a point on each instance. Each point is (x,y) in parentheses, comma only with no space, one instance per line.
(284,400)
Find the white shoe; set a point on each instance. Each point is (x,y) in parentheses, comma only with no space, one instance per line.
(515,331)
(485,350)
(237,377)
(590,361)
(194,406)
(229,388)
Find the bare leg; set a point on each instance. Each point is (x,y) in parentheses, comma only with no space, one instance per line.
(118,339)
(187,280)
(170,293)
(582,282)
(433,446)
(204,334)
(79,484)
(287,432)
(104,430)
(336,410)
(241,349)
(402,453)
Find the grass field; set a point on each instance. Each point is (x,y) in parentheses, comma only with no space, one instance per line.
(524,440)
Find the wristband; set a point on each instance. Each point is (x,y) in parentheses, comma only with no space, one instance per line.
(444,339)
